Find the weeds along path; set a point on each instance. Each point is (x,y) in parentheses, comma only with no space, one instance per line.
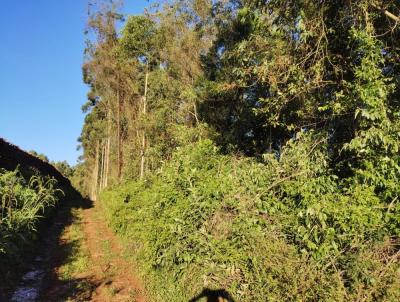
(88,263)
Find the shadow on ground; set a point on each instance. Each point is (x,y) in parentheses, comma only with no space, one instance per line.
(39,256)
(62,252)
(218,295)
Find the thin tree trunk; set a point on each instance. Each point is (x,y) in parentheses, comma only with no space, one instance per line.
(119,137)
(195,105)
(96,173)
(102,166)
(107,169)
(195,113)
(108,146)
(143,159)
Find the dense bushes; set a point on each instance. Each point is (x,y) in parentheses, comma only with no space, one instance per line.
(23,204)
(284,228)
(308,91)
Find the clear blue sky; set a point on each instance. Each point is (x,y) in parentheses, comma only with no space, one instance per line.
(41,89)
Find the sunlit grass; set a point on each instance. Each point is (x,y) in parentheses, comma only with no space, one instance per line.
(77,258)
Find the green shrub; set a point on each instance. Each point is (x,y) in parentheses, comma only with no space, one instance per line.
(284,229)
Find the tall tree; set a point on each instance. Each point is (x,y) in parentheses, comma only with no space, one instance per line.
(139,42)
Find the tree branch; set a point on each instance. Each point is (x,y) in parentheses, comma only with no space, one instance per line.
(387,13)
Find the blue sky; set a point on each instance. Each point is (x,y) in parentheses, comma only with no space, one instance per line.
(41,89)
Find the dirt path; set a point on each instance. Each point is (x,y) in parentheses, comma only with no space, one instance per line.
(107,253)
(88,263)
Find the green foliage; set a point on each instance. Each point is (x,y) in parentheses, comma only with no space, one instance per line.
(64,168)
(78,179)
(40,155)
(308,91)
(138,37)
(23,204)
(280,230)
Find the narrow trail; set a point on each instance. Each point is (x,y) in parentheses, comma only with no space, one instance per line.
(109,268)
(80,260)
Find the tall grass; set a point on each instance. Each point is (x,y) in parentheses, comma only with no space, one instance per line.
(23,203)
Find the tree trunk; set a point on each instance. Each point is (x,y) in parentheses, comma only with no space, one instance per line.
(102,166)
(96,173)
(143,159)
(119,137)
(108,146)
(195,105)
(195,113)
(107,168)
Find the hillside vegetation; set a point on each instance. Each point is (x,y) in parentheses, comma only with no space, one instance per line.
(30,190)
(249,146)
(23,203)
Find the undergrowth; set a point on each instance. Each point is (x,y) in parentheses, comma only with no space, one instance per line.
(284,228)
(24,203)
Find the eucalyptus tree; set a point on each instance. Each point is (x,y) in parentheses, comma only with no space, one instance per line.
(101,74)
(139,43)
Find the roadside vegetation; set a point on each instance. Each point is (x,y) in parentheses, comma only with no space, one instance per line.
(275,230)
(249,146)
(24,204)
(31,193)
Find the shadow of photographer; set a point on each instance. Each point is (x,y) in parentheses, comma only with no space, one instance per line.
(218,295)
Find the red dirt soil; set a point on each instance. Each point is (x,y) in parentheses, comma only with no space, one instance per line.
(109,276)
